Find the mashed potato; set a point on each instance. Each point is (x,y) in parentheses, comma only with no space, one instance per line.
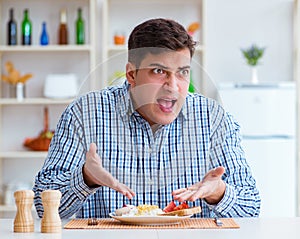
(143,210)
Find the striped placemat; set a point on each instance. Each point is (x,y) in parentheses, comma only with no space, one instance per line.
(191,223)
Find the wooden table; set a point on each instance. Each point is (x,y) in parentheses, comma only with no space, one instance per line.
(286,228)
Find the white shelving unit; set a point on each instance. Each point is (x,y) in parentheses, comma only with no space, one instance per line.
(123,16)
(21,119)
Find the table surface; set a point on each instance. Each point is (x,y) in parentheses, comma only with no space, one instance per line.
(249,228)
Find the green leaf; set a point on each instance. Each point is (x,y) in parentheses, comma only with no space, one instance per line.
(253,54)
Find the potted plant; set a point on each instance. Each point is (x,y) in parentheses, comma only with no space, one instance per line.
(253,54)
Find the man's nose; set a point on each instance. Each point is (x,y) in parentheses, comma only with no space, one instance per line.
(171,82)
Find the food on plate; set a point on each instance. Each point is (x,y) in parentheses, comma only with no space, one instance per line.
(182,209)
(125,210)
(152,210)
(183,212)
(141,210)
(170,207)
(148,210)
(181,206)
(173,207)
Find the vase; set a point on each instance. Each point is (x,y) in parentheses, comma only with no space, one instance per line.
(254,79)
(17,91)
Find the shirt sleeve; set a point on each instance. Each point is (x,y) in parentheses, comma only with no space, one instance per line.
(241,198)
(62,169)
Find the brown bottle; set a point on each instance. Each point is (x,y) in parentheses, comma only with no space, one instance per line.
(63,30)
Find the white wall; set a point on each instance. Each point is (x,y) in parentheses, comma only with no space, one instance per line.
(235,24)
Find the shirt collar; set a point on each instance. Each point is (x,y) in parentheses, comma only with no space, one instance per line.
(125,102)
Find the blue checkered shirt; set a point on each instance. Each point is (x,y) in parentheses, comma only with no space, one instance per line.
(152,163)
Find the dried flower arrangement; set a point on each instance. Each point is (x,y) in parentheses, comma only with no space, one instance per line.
(14,77)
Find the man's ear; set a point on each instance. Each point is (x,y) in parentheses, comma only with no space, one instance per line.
(130,73)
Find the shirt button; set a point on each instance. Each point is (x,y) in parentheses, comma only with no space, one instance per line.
(150,150)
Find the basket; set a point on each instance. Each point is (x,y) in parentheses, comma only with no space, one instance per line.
(42,142)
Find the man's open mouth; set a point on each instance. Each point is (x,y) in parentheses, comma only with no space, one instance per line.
(166,104)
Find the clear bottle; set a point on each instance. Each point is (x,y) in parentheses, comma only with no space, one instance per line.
(26,28)
(11,29)
(80,32)
(63,30)
(44,39)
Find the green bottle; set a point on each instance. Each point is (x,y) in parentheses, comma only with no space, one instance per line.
(80,28)
(26,29)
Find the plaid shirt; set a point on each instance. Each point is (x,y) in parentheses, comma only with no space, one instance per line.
(153,164)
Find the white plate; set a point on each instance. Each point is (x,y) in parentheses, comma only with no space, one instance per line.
(149,220)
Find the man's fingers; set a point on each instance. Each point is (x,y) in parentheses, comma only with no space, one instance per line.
(93,149)
(178,191)
(219,171)
(200,193)
(183,194)
(123,189)
(216,172)
(129,194)
(101,176)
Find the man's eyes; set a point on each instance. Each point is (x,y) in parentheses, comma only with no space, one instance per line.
(184,72)
(158,71)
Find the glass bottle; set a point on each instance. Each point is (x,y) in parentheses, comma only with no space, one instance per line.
(44,39)
(63,30)
(11,29)
(80,33)
(26,28)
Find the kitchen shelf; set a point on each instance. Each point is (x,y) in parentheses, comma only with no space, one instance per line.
(35,101)
(19,119)
(23,154)
(48,48)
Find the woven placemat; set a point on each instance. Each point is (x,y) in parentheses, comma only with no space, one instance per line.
(191,223)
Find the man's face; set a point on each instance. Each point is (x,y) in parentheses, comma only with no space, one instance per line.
(160,85)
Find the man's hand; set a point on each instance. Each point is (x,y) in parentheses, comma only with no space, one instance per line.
(211,188)
(95,174)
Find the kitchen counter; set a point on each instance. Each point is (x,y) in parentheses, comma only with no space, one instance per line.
(249,228)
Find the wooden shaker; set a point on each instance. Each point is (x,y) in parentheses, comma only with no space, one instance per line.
(51,222)
(23,220)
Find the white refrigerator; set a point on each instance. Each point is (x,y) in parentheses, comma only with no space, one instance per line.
(267,116)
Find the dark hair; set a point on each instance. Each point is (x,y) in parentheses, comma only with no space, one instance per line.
(155,36)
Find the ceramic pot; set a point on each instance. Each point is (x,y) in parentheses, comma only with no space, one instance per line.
(17,91)
(254,79)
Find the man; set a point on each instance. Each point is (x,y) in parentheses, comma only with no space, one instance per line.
(149,141)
